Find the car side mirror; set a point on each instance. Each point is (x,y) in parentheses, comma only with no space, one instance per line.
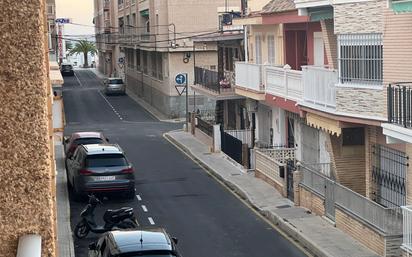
(92,246)
(174,239)
(66,140)
(107,139)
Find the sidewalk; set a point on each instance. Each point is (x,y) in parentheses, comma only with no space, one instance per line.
(64,233)
(319,236)
(153,111)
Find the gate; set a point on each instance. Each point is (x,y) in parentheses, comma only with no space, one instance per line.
(330,199)
(231,146)
(290,168)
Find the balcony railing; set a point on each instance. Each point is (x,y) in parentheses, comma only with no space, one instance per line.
(210,80)
(250,76)
(400,104)
(319,87)
(284,82)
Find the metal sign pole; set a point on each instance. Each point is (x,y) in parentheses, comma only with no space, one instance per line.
(187,105)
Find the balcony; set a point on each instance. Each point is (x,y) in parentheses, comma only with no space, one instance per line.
(208,82)
(249,80)
(399,101)
(284,82)
(319,91)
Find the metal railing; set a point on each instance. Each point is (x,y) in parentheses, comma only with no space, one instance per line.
(399,100)
(386,220)
(250,76)
(207,78)
(244,135)
(319,86)
(284,82)
(204,126)
(324,168)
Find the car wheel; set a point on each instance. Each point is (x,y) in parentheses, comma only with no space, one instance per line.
(81,230)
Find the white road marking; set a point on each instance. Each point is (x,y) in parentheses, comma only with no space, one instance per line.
(151,221)
(111,106)
(144,208)
(78,80)
(138,197)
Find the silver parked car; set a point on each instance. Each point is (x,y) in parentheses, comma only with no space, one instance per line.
(114,86)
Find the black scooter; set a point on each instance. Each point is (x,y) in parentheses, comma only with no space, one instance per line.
(114,219)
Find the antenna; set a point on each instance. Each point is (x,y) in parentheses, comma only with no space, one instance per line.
(141,238)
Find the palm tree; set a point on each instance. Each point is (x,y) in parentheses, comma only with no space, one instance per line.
(85,47)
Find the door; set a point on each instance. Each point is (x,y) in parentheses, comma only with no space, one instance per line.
(310,145)
(296,54)
(290,168)
(319,49)
(291,133)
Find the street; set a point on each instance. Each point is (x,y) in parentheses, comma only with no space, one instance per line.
(171,190)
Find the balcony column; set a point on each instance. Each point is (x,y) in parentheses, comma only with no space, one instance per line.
(408,151)
(371,135)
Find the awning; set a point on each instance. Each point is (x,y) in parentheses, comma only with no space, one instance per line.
(144,13)
(400,6)
(318,14)
(323,123)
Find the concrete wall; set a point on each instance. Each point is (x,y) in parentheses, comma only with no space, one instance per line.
(359,17)
(27,203)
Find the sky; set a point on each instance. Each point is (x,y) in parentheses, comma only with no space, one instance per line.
(80,11)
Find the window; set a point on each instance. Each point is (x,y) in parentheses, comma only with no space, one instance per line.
(153,64)
(159,63)
(353,136)
(360,58)
(271,49)
(138,65)
(144,55)
(50,9)
(258,50)
(106,160)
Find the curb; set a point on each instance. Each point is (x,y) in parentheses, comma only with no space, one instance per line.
(276,220)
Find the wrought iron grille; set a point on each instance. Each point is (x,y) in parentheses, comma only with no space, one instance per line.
(400,104)
(389,175)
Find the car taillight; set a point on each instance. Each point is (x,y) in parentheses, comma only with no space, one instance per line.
(128,170)
(86,172)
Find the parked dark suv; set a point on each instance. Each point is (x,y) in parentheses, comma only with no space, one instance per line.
(66,69)
(100,168)
(129,243)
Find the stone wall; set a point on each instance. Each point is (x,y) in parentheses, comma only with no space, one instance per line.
(359,17)
(367,102)
(27,202)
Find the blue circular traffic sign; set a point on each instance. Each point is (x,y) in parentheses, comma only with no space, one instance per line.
(180,79)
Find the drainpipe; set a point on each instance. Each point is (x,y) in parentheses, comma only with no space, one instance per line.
(29,246)
(245,31)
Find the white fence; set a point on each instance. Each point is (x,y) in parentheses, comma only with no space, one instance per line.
(407,227)
(319,86)
(284,82)
(249,76)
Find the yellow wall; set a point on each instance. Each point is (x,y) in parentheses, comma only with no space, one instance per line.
(264,31)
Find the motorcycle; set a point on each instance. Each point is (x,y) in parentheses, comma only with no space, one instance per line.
(114,219)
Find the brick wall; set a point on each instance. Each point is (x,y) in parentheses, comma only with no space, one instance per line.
(349,164)
(370,140)
(360,17)
(311,201)
(330,40)
(361,101)
(26,159)
(360,232)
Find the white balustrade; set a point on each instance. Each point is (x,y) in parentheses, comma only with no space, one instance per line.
(284,82)
(249,76)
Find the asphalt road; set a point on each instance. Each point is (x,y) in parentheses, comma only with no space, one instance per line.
(172,191)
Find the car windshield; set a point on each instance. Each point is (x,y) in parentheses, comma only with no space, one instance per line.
(88,141)
(115,81)
(106,160)
(66,66)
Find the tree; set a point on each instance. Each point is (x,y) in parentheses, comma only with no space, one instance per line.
(84,47)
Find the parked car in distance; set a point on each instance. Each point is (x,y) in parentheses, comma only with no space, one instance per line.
(66,69)
(154,242)
(100,168)
(83,138)
(114,86)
